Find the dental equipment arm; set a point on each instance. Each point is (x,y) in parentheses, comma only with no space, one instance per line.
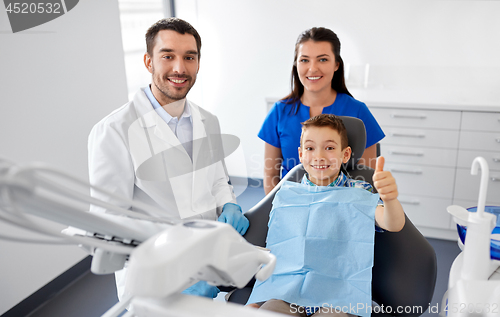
(160,265)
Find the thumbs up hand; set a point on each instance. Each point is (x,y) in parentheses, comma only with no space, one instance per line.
(384,182)
(391,216)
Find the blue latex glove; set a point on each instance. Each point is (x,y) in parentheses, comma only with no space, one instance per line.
(232,215)
(202,289)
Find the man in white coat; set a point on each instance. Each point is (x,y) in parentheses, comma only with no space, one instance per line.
(163,150)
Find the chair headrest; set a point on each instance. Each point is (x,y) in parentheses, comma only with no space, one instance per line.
(356,135)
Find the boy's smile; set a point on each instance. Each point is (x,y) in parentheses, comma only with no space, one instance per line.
(321,154)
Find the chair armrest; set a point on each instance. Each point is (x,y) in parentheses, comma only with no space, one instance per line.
(258,216)
(405,269)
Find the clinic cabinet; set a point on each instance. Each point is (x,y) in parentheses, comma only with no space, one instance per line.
(430,149)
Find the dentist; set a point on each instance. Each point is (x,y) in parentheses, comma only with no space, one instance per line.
(162,149)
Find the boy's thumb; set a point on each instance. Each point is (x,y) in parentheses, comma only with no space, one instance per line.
(379,167)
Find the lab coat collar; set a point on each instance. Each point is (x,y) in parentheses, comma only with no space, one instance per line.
(157,129)
(198,131)
(150,119)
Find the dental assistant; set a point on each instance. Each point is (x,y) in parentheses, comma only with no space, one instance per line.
(163,150)
(318,86)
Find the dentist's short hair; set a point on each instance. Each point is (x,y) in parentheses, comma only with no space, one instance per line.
(175,24)
(330,121)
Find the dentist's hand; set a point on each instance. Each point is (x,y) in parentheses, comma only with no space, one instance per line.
(384,182)
(203,289)
(232,215)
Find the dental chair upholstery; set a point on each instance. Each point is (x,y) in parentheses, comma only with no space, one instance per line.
(405,267)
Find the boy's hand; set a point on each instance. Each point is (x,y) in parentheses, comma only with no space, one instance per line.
(384,182)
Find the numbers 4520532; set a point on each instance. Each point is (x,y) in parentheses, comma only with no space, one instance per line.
(34,8)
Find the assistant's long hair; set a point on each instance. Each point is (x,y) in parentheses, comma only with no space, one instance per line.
(317,34)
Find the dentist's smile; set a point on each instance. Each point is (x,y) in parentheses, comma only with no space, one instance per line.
(178,82)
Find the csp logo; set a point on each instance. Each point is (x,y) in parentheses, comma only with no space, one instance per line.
(26,14)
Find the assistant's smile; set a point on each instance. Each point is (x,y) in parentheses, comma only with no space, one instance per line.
(314,78)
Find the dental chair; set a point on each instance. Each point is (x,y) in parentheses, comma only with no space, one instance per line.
(405,267)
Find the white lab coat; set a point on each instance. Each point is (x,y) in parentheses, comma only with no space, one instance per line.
(134,153)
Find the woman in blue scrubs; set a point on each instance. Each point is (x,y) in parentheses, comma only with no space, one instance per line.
(318,86)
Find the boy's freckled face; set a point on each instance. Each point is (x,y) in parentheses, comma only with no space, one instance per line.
(321,154)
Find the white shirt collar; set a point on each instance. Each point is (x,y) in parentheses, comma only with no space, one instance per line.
(162,112)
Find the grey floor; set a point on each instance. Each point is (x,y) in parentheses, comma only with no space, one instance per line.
(93,295)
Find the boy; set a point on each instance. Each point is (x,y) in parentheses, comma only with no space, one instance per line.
(323,149)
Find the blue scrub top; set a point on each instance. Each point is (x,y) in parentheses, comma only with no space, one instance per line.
(282,126)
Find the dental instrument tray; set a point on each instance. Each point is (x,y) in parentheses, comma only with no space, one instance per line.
(495,240)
